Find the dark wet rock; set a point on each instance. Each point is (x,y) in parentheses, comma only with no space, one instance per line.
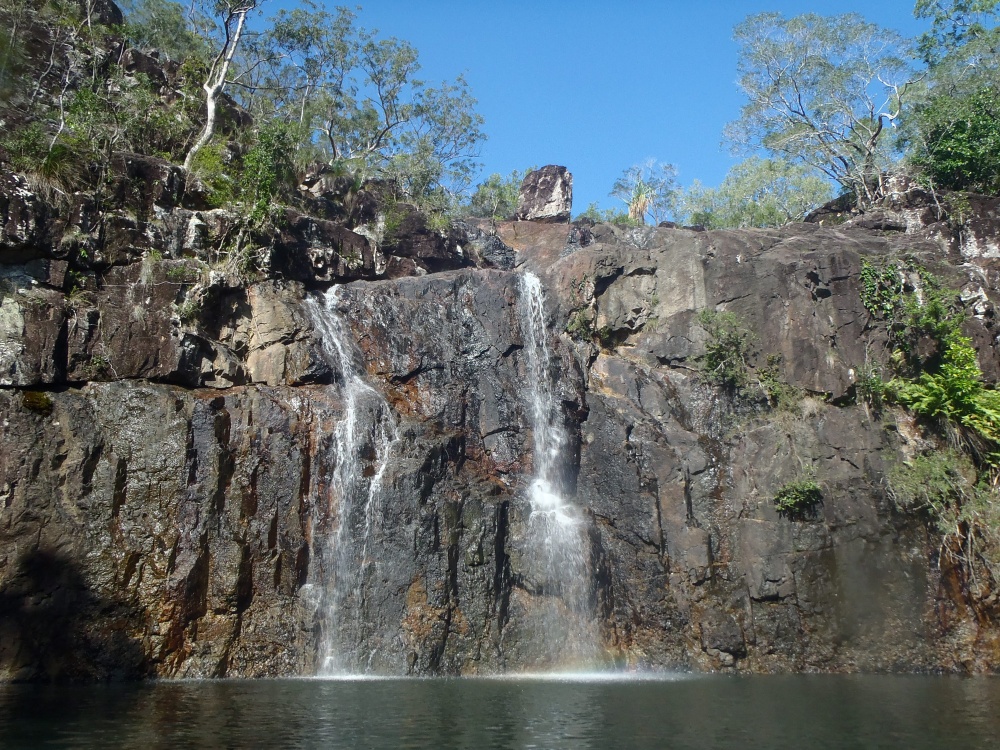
(416,247)
(143,183)
(147,63)
(489,250)
(26,221)
(315,250)
(694,567)
(337,197)
(169,495)
(166,538)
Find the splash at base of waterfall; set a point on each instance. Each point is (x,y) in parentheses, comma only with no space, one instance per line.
(545,501)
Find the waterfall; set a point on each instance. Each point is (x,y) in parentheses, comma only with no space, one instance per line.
(557,544)
(362,441)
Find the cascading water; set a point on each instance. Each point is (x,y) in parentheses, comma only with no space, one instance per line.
(363,441)
(557,542)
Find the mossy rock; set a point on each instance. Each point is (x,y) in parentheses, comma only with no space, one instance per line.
(37,401)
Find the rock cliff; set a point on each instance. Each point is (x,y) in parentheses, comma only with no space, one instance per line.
(343,437)
(169,474)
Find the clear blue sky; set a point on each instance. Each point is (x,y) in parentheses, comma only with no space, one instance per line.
(597,85)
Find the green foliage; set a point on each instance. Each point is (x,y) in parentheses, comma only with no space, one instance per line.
(756,193)
(931,482)
(163,25)
(953,137)
(727,361)
(957,140)
(946,384)
(932,311)
(40,29)
(212,165)
(607,216)
(915,306)
(824,91)
(648,189)
(961,504)
(496,197)
(798,496)
(581,325)
(882,287)
(33,150)
(359,101)
(189,311)
(98,367)
(266,167)
(72,142)
(126,113)
(727,350)
(394,213)
(780,395)
(438,222)
(870,388)
(956,26)
(320,87)
(955,392)
(180,273)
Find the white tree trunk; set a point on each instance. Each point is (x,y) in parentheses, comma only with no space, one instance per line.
(215,82)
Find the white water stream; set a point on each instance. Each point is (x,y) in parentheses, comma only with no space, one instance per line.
(561,623)
(363,441)
(557,531)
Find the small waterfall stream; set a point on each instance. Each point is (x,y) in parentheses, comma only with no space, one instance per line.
(363,441)
(560,621)
(557,530)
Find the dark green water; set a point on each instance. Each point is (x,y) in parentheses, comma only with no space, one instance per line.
(801,712)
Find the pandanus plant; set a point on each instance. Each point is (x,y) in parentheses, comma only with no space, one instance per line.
(638,202)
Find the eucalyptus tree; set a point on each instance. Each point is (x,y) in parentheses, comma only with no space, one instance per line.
(164,25)
(757,193)
(230,18)
(954,134)
(823,91)
(967,26)
(358,101)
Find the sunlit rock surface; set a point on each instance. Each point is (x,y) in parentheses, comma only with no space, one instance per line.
(168,487)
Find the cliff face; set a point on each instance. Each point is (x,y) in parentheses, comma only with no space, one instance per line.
(175,500)
(680,478)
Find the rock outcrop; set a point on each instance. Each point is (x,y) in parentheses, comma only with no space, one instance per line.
(546,195)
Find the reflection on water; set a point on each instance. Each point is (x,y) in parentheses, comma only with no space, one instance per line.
(558,711)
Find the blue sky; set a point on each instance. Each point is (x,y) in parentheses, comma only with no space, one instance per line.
(597,85)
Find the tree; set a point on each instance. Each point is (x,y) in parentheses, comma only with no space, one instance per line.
(496,197)
(599,215)
(163,25)
(825,92)
(956,141)
(647,189)
(958,25)
(232,16)
(359,102)
(756,193)
(954,134)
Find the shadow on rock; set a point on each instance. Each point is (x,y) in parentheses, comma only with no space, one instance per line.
(53,628)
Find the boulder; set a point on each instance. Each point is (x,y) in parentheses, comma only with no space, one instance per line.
(546,195)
